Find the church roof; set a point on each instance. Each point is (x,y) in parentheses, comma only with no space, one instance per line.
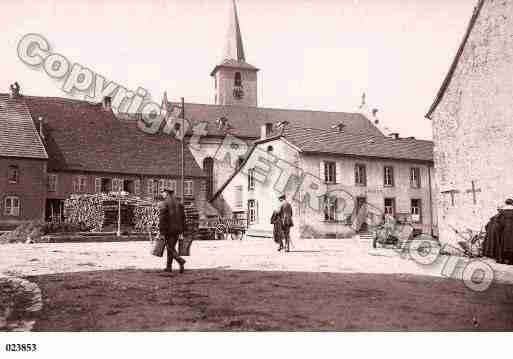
(80,136)
(246,121)
(18,134)
(456,60)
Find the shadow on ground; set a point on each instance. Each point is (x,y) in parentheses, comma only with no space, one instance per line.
(230,300)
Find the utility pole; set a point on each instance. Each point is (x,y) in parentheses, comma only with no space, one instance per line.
(183,140)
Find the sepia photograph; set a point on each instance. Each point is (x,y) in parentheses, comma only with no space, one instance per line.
(242,166)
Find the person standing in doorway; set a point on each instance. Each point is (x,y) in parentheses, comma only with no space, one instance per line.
(171,225)
(286,220)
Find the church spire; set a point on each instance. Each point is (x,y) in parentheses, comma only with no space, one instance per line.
(234,48)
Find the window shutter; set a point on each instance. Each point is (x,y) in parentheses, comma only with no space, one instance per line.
(419,177)
(322,175)
(392,177)
(322,204)
(257,217)
(364,175)
(338,174)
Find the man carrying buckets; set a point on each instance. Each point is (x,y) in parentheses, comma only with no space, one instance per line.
(171,225)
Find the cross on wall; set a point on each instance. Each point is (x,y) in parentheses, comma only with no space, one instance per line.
(474,190)
(452,192)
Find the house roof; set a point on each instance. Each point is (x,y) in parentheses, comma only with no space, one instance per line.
(454,64)
(246,121)
(358,144)
(18,134)
(80,136)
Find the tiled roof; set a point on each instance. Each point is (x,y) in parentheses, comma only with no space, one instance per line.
(450,73)
(18,134)
(246,121)
(236,64)
(310,140)
(84,137)
(331,142)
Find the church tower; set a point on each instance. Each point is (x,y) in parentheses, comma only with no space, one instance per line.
(235,79)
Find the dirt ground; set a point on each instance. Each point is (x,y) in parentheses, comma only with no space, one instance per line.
(247,285)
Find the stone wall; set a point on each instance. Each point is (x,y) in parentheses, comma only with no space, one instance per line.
(473,127)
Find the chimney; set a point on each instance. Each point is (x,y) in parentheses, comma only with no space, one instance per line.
(394,135)
(15,90)
(41,132)
(106,103)
(266,130)
(374,116)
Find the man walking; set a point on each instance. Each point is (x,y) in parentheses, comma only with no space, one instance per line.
(171,225)
(286,219)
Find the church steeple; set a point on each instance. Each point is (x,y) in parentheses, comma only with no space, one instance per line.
(235,79)
(234,48)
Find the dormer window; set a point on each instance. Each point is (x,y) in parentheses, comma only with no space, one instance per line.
(238,79)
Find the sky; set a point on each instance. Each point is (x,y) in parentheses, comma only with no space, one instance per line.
(314,55)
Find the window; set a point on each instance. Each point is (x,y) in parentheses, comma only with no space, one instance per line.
(330,172)
(390,206)
(389,176)
(137,186)
(52,183)
(171,184)
(416,210)
(238,79)
(98,185)
(150,187)
(415,177)
(12,206)
(117,185)
(13,174)
(155,192)
(330,208)
(360,175)
(251,179)
(106,185)
(162,185)
(188,188)
(252,211)
(238,196)
(79,184)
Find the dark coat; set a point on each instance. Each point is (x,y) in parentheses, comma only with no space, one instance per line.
(171,217)
(506,222)
(492,245)
(286,214)
(277,227)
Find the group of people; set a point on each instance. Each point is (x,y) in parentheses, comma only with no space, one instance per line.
(172,223)
(281,220)
(499,235)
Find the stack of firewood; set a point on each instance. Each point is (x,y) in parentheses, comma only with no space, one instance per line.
(85,210)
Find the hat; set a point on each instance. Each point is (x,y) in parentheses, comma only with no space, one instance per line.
(282,197)
(509,202)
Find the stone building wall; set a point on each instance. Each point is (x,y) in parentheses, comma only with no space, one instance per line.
(473,125)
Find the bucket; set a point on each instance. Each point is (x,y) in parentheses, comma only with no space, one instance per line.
(184,246)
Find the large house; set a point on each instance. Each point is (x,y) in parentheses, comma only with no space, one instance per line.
(329,175)
(472,124)
(52,148)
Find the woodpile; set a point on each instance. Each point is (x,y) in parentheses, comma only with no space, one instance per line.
(86,211)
